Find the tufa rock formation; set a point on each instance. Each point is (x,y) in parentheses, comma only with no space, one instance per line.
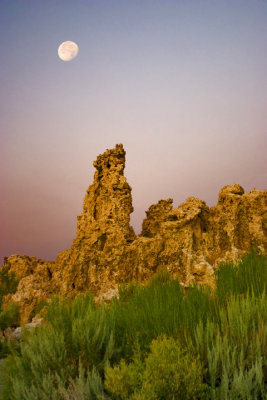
(189,241)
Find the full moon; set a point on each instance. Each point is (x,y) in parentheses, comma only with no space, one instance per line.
(68,50)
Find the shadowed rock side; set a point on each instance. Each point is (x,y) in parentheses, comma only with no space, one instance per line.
(189,241)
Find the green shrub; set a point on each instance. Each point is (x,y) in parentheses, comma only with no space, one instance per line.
(50,357)
(161,307)
(86,386)
(126,291)
(88,331)
(235,349)
(9,317)
(219,338)
(168,373)
(247,276)
(150,311)
(124,379)
(8,282)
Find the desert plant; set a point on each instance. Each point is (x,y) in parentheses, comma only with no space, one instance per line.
(168,373)
(9,316)
(123,380)
(235,349)
(86,386)
(8,282)
(161,307)
(222,334)
(247,276)
(149,311)
(8,285)
(76,334)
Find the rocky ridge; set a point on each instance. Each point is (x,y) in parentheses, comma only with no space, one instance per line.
(189,241)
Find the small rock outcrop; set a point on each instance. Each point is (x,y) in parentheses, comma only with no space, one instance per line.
(189,241)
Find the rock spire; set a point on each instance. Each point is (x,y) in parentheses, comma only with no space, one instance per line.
(189,241)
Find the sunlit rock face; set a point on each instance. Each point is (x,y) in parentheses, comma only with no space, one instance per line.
(35,283)
(96,257)
(189,241)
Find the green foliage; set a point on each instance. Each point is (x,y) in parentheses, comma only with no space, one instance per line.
(247,276)
(77,335)
(235,349)
(124,380)
(85,386)
(149,311)
(157,341)
(9,317)
(161,307)
(126,291)
(88,331)
(8,282)
(168,373)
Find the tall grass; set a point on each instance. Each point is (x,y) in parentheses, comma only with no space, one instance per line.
(224,331)
(247,276)
(161,307)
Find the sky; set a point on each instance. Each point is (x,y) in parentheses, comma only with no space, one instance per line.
(181,83)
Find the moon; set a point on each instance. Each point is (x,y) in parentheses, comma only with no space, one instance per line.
(68,50)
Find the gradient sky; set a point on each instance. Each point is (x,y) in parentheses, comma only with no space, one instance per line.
(181,83)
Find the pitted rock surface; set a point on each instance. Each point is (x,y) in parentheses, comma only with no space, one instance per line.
(189,241)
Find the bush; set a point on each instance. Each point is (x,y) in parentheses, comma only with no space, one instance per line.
(76,334)
(168,373)
(85,386)
(124,379)
(154,342)
(8,282)
(149,311)
(9,317)
(235,349)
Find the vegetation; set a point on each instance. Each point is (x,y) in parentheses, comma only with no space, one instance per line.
(168,372)
(153,342)
(10,315)
(8,282)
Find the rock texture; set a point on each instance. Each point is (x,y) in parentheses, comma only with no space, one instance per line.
(11,334)
(189,241)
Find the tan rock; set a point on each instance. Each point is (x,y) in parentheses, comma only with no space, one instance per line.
(189,241)
(11,334)
(34,287)
(20,265)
